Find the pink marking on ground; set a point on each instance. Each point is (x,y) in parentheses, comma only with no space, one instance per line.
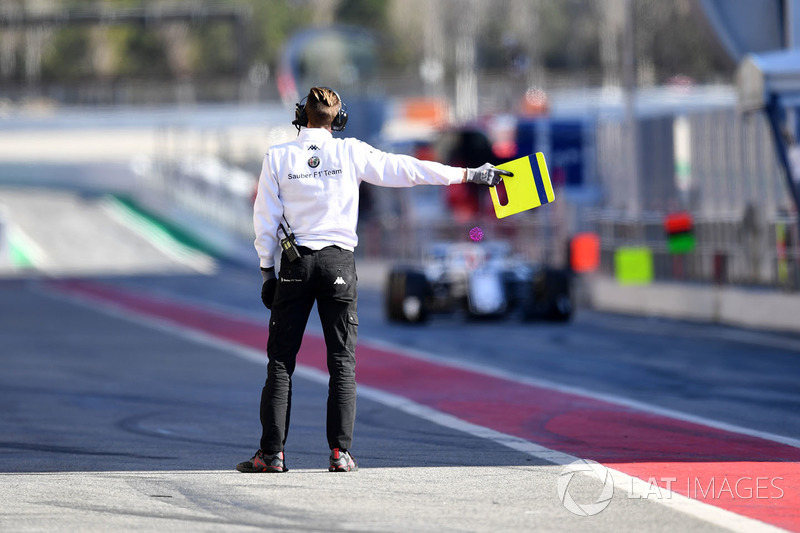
(747,475)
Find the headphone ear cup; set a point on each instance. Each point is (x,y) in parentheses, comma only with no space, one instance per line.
(300,117)
(341,119)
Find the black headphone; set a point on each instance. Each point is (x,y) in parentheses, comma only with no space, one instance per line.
(301,118)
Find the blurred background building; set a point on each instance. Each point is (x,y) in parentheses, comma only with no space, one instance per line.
(633,102)
(139,52)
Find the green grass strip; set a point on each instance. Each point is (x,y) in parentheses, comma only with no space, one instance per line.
(18,255)
(165,226)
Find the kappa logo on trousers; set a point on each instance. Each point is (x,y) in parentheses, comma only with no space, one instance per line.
(339,281)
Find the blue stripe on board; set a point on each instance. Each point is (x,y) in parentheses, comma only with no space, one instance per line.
(537,178)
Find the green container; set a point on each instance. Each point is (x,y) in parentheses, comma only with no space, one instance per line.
(681,243)
(633,265)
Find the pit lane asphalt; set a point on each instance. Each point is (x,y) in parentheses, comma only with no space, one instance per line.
(111,424)
(737,376)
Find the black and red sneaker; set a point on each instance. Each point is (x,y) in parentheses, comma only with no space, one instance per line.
(262,462)
(342,461)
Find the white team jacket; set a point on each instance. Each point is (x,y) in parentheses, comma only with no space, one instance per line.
(313,181)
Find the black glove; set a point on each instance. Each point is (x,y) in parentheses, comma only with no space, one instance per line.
(268,287)
(486,174)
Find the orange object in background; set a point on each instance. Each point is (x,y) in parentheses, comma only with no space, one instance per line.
(535,103)
(432,111)
(584,252)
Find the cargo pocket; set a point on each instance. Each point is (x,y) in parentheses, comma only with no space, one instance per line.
(272,340)
(352,331)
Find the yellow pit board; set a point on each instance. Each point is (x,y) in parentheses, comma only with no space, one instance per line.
(529,187)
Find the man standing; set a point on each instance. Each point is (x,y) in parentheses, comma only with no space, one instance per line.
(307,207)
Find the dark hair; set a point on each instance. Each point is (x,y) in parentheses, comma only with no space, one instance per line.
(322,106)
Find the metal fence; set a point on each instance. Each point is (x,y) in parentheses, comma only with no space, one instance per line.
(728,251)
(745,225)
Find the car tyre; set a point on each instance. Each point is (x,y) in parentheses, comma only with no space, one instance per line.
(550,296)
(407,297)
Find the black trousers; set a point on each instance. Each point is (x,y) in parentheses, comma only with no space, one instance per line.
(327,276)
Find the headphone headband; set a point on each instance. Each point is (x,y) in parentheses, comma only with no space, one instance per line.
(301,117)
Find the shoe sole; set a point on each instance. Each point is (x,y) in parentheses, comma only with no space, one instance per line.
(342,468)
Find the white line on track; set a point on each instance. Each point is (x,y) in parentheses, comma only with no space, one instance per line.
(578,391)
(634,487)
(160,239)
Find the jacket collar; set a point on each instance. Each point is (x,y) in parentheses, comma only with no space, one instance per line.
(314,134)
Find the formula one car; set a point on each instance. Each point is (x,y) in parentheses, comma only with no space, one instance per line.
(481,279)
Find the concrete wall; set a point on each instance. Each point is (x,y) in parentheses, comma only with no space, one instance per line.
(756,308)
